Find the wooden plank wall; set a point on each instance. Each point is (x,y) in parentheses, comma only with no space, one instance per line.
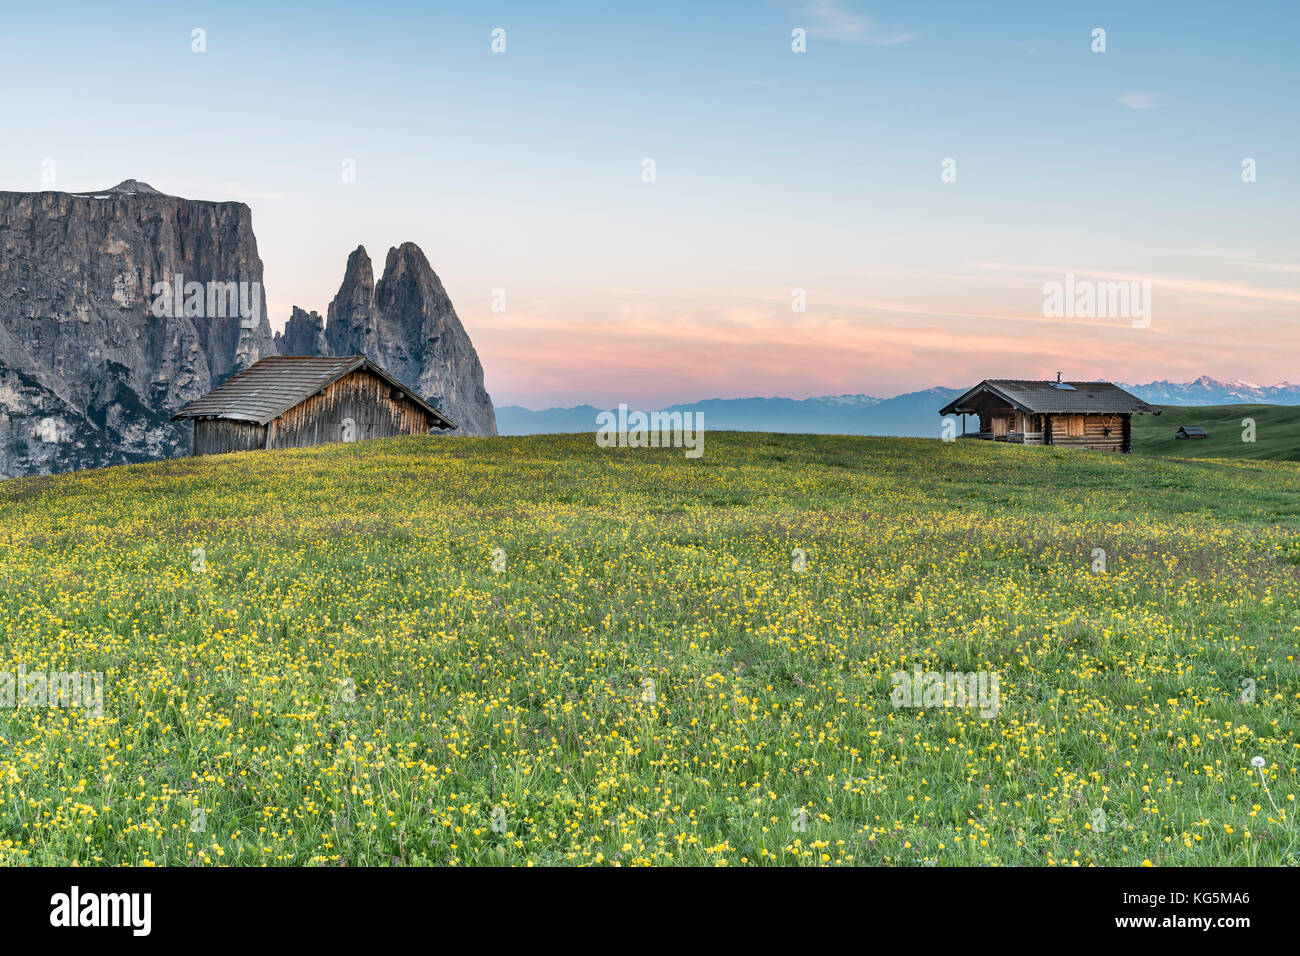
(215,436)
(1094,434)
(1021,429)
(361,396)
(1033,429)
(1030,429)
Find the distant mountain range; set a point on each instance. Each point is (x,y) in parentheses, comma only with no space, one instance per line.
(913,415)
(1207,391)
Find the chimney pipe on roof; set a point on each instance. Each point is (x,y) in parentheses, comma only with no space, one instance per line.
(1058,376)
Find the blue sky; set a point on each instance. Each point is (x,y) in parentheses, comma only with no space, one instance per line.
(775,171)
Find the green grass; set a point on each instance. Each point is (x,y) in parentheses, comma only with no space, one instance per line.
(1277,432)
(347,679)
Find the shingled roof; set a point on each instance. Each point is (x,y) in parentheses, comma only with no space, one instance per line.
(270,387)
(1051,398)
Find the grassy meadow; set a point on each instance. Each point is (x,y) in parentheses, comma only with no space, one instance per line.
(1277,432)
(537,651)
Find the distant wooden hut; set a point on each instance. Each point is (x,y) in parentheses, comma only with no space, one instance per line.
(1071,414)
(1191,431)
(294,401)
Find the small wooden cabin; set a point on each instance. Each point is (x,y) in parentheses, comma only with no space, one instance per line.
(293,401)
(1072,414)
(1191,431)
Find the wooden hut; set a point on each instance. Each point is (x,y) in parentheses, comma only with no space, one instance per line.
(1191,431)
(1072,414)
(294,401)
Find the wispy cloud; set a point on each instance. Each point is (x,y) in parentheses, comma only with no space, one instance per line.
(1139,101)
(832,22)
(1233,290)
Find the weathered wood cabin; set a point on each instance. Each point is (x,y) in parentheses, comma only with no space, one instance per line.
(293,401)
(1072,414)
(1191,431)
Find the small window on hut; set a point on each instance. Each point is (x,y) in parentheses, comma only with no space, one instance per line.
(1075,426)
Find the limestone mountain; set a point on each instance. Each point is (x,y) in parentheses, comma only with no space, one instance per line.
(304,334)
(406,324)
(107,322)
(119,306)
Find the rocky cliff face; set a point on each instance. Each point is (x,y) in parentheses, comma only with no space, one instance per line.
(407,325)
(304,334)
(116,308)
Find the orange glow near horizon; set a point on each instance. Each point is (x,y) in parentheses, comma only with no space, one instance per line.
(651,354)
